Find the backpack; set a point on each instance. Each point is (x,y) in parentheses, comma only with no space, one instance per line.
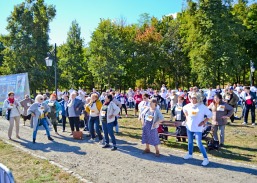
(181,131)
(162,129)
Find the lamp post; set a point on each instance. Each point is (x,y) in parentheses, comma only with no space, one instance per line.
(49,63)
(252,70)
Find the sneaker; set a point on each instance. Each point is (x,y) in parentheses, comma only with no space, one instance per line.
(205,162)
(221,145)
(106,146)
(126,115)
(34,141)
(244,123)
(188,156)
(253,124)
(114,148)
(50,138)
(101,142)
(91,140)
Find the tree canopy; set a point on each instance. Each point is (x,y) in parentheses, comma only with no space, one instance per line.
(209,43)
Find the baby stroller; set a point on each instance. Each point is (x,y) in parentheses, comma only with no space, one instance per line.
(211,143)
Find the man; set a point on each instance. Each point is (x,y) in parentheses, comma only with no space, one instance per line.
(249,99)
(210,96)
(116,101)
(231,98)
(26,103)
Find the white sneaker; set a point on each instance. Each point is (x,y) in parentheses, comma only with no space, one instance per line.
(244,123)
(188,156)
(253,124)
(101,142)
(205,162)
(91,140)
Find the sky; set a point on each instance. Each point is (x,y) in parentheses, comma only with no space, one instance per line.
(88,13)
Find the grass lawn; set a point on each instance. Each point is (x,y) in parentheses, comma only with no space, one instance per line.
(240,141)
(28,169)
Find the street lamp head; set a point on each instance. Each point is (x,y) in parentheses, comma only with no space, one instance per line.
(49,61)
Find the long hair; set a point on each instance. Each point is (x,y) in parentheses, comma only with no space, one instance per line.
(215,104)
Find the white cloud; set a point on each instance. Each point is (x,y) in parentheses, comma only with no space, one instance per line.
(173,14)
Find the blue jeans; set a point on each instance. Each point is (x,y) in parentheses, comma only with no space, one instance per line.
(108,130)
(45,125)
(198,137)
(94,122)
(131,105)
(163,103)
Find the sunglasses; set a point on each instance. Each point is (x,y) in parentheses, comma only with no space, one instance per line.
(193,98)
(41,99)
(144,98)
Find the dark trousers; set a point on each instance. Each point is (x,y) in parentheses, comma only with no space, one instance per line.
(246,111)
(167,107)
(94,122)
(125,108)
(64,120)
(74,121)
(232,118)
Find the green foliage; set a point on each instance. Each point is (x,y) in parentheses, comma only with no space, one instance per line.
(27,41)
(72,62)
(210,42)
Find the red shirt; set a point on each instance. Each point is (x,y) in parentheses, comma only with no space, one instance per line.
(138,98)
(248,99)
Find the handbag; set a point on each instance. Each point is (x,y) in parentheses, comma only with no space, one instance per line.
(77,135)
(8,113)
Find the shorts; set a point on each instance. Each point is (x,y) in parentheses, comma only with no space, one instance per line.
(26,117)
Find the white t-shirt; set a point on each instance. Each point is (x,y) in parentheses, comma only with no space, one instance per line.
(210,95)
(195,116)
(94,112)
(122,100)
(253,89)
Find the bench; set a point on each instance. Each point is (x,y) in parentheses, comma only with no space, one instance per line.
(176,124)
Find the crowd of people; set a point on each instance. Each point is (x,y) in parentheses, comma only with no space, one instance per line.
(193,108)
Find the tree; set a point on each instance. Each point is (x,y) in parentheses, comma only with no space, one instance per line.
(27,41)
(72,60)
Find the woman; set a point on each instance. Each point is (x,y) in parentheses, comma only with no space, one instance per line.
(123,100)
(137,99)
(26,103)
(39,111)
(108,112)
(73,111)
(144,104)
(93,109)
(63,104)
(221,112)
(195,120)
(177,112)
(55,108)
(151,117)
(173,101)
(102,97)
(11,106)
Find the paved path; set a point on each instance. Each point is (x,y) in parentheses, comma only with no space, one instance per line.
(127,164)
